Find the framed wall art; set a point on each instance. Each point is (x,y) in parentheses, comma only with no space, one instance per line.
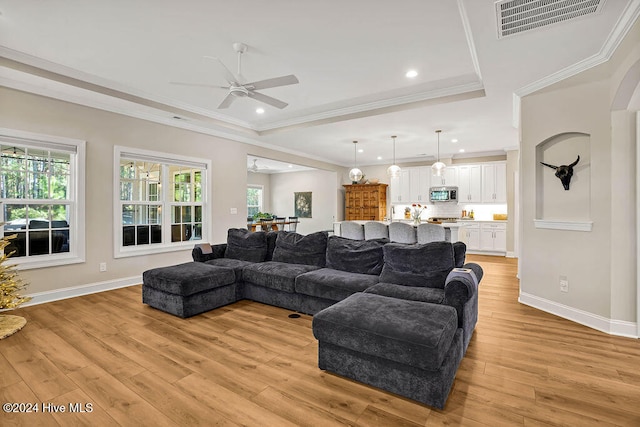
(302,204)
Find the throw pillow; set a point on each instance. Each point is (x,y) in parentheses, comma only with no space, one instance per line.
(460,253)
(418,265)
(294,248)
(355,256)
(245,245)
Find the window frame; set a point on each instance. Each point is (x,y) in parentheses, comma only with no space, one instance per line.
(261,204)
(75,196)
(165,201)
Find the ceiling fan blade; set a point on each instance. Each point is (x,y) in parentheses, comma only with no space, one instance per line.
(199,85)
(274,82)
(267,99)
(228,75)
(226,102)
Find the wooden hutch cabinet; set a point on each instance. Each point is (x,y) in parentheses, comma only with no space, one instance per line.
(366,202)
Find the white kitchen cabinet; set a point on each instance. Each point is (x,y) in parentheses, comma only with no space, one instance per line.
(471,232)
(449,177)
(494,183)
(401,187)
(493,237)
(469,184)
(419,183)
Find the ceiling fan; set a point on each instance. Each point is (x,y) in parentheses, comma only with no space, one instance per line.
(255,168)
(239,89)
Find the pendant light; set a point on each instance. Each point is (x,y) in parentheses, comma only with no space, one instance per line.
(355,174)
(438,167)
(393,171)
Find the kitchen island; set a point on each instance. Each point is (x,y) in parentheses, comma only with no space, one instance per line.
(451,229)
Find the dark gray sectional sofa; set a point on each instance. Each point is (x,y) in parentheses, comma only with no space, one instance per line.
(312,272)
(396,316)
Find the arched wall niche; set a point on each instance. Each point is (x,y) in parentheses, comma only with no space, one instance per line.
(555,206)
(627,89)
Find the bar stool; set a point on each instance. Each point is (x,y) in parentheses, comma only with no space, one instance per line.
(293,223)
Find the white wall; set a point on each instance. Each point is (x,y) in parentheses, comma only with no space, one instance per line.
(102,130)
(601,264)
(324,188)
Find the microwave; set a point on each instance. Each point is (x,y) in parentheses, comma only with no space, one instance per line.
(443,194)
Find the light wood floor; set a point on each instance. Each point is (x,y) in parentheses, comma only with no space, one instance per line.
(249,364)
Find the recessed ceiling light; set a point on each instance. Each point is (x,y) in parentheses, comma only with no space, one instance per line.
(454,140)
(360,150)
(461,150)
(379,157)
(411,74)
(260,110)
(290,166)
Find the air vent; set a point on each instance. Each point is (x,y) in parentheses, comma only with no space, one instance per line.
(517,16)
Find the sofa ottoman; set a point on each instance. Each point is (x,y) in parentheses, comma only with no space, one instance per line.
(410,348)
(188,289)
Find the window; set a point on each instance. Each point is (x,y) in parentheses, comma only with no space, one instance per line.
(41,182)
(162,205)
(254,199)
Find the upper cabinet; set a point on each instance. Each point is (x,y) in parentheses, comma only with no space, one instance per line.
(477,183)
(469,184)
(412,186)
(448,178)
(400,188)
(494,183)
(419,183)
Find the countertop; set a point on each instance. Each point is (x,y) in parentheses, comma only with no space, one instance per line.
(482,220)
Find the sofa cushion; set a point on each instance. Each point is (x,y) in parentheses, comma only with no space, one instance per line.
(294,248)
(413,333)
(413,293)
(333,284)
(188,278)
(275,275)
(245,245)
(355,256)
(418,265)
(236,264)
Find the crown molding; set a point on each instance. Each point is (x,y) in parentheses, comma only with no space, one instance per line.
(109,86)
(114,105)
(464,18)
(620,30)
(461,89)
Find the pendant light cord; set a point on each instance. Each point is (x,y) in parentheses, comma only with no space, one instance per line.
(355,154)
(394,149)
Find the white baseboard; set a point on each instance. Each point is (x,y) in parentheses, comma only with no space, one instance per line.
(511,254)
(76,291)
(610,326)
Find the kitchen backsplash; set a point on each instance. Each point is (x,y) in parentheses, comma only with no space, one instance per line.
(482,212)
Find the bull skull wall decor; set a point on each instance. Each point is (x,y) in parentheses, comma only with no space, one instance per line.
(564,172)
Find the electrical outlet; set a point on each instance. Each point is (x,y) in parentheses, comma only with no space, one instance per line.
(233,211)
(103,267)
(564,284)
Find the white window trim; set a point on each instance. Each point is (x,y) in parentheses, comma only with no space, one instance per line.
(77,233)
(259,187)
(120,251)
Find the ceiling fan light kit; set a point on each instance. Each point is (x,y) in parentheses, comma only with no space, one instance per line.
(239,89)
